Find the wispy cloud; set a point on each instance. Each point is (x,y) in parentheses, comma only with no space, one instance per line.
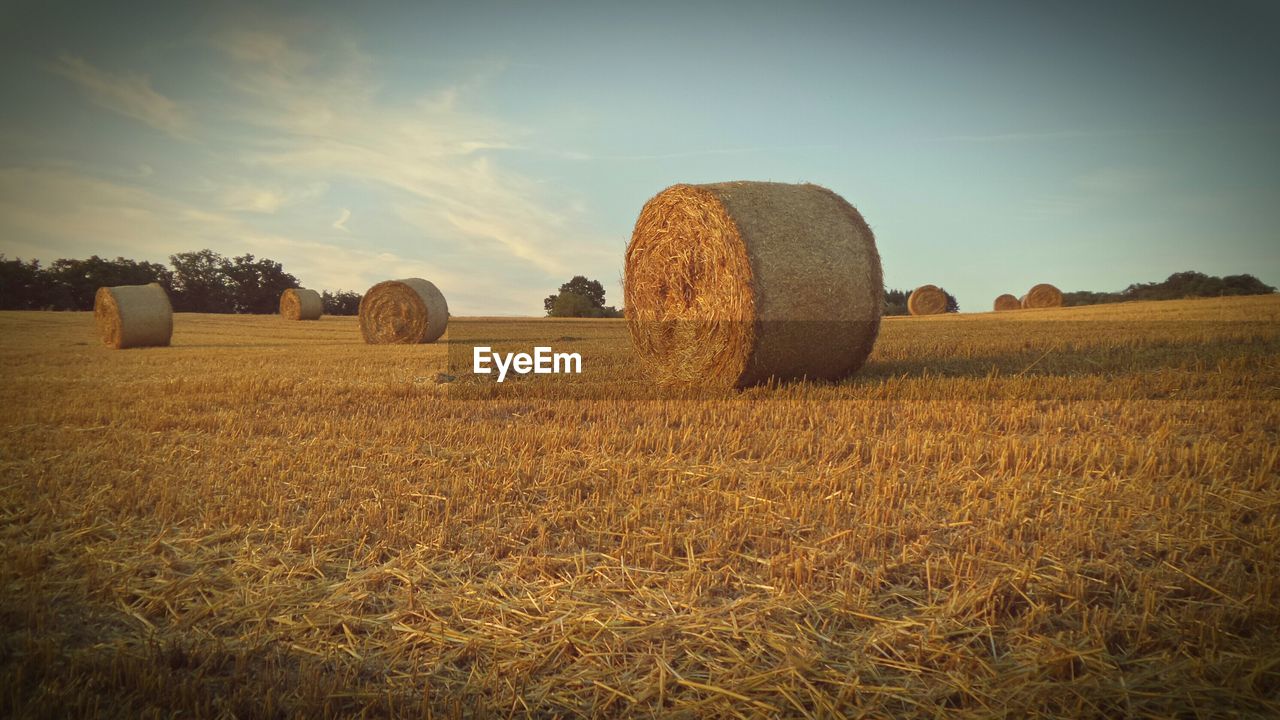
(258,198)
(130,95)
(319,115)
(296,124)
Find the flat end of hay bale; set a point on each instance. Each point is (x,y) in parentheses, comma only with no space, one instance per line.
(405,311)
(1006,302)
(1043,295)
(927,300)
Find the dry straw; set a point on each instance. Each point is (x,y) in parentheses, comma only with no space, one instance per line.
(403,311)
(301,304)
(1043,295)
(130,316)
(734,283)
(927,300)
(1007,302)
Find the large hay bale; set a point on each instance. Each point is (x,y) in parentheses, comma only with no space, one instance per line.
(1007,302)
(927,300)
(1043,295)
(301,304)
(734,283)
(130,316)
(411,310)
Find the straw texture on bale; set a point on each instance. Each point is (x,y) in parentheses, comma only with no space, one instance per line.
(732,284)
(927,300)
(1007,302)
(405,311)
(301,304)
(1043,295)
(131,316)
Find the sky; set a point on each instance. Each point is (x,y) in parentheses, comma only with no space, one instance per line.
(499,149)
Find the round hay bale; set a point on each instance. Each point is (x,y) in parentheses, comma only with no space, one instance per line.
(732,284)
(1007,302)
(1043,295)
(403,311)
(301,304)
(927,300)
(130,316)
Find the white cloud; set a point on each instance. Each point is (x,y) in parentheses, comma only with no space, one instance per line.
(341,222)
(128,94)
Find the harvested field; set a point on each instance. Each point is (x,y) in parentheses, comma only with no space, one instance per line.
(1070,512)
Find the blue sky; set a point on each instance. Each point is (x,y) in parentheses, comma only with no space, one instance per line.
(499,149)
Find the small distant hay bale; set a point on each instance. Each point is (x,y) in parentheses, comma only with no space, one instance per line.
(130,316)
(927,300)
(301,304)
(733,284)
(1007,302)
(405,311)
(1043,295)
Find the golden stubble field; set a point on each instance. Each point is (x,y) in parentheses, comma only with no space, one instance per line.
(1066,512)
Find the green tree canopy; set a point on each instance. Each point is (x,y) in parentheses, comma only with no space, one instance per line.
(592,290)
(255,285)
(200,283)
(571,304)
(342,302)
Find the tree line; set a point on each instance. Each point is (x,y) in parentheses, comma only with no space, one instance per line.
(200,281)
(1188,284)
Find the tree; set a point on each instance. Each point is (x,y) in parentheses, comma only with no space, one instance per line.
(952,305)
(895,302)
(571,304)
(1179,285)
(592,290)
(255,285)
(342,302)
(200,283)
(23,285)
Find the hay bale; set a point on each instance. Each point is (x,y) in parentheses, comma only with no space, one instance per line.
(1043,295)
(927,300)
(130,316)
(403,311)
(301,304)
(1007,302)
(734,283)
